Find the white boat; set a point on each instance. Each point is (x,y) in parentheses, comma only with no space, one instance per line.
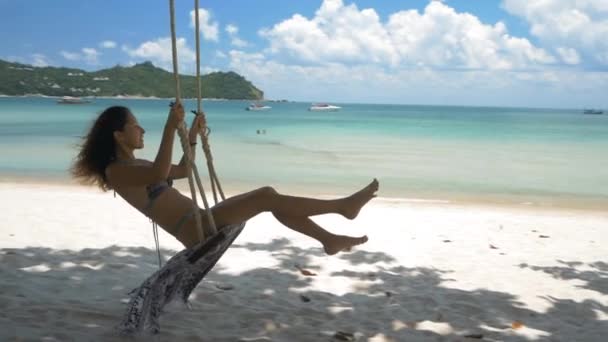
(593,111)
(72,100)
(323,107)
(257,107)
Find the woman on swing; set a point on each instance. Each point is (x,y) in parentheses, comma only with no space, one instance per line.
(107,159)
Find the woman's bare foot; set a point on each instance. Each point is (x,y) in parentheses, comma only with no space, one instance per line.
(339,243)
(356,201)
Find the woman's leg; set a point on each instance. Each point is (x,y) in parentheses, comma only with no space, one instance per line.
(293,212)
(245,206)
(332,243)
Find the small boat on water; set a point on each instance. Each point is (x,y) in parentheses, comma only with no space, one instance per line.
(257,107)
(323,107)
(72,100)
(592,111)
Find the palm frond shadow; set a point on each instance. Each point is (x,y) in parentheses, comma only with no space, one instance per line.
(84,292)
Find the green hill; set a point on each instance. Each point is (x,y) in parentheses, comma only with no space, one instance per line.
(143,79)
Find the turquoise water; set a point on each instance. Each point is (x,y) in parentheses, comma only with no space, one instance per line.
(510,155)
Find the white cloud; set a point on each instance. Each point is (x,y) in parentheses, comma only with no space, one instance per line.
(107,44)
(569,55)
(208,70)
(90,55)
(374,83)
(159,52)
(35,59)
(238,42)
(439,37)
(208,28)
(70,56)
(233,31)
(567,25)
(433,56)
(220,54)
(337,33)
(39,60)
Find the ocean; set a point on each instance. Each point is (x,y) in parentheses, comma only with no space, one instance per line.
(514,156)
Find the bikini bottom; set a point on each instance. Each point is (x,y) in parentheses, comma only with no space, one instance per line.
(184,218)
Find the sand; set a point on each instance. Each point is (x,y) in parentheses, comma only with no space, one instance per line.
(431,271)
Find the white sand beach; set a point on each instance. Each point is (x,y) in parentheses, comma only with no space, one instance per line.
(430,272)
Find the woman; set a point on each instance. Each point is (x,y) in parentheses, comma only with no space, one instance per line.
(107,159)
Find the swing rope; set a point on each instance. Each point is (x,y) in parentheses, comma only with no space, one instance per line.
(191,168)
(182,132)
(182,273)
(215,182)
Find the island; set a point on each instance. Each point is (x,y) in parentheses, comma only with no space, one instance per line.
(140,80)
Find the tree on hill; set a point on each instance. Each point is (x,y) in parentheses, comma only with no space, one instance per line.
(144,79)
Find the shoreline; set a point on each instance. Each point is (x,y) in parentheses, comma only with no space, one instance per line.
(136,97)
(230,189)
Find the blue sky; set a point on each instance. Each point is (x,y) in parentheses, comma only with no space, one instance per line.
(537,53)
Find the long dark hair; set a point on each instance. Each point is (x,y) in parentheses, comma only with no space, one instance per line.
(98,148)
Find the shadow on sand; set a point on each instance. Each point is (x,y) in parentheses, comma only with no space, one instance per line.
(79,295)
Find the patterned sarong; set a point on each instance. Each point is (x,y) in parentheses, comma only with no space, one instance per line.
(180,275)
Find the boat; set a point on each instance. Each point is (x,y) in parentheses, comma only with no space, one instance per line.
(257,107)
(592,111)
(72,100)
(323,107)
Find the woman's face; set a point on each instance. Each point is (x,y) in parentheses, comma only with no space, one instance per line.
(132,135)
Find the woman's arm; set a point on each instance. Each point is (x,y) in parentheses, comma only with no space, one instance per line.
(133,175)
(180,171)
